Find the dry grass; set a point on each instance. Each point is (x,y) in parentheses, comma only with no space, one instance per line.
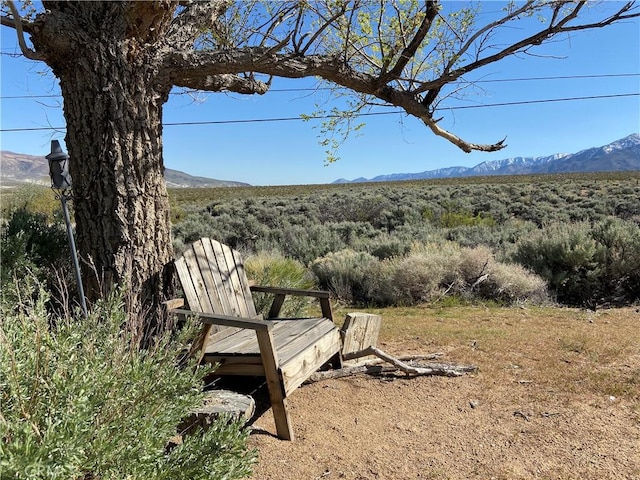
(557,349)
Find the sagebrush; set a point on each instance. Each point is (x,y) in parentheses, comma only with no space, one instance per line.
(81,400)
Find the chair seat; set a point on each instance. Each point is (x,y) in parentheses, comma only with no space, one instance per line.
(302,346)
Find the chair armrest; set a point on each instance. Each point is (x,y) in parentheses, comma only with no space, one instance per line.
(290,291)
(173,303)
(280,293)
(225,320)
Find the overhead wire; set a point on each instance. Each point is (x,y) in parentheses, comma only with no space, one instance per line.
(367,114)
(308,89)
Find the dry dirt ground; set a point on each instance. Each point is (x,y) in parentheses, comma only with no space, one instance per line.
(557,396)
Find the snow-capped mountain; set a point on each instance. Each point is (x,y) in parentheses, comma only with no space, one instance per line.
(621,155)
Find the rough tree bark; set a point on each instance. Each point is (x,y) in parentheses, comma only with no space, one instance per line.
(113,98)
(117,61)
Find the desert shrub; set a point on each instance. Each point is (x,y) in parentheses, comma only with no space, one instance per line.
(33,199)
(80,400)
(432,271)
(512,283)
(273,269)
(193,227)
(305,244)
(354,277)
(458,217)
(419,277)
(586,264)
(30,246)
(499,238)
(388,247)
(618,260)
(429,272)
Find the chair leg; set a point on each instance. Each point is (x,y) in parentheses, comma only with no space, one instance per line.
(274,384)
(281,416)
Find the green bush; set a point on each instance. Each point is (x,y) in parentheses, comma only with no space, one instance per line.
(32,247)
(33,199)
(586,264)
(273,269)
(80,400)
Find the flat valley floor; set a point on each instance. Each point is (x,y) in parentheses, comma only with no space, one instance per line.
(557,396)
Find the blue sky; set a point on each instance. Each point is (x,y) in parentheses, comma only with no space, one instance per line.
(281,153)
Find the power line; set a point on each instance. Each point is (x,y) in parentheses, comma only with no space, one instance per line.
(281,90)
(369,114)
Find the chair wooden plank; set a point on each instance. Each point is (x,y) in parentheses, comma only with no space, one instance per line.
(217,276)
(202,259)
(275,385)
(240,343)
(194,273)
(187,284)
(237,365)
(288,336)
(294,345)
(234,285)
(204,255)
(231,302)
(297,369)
(193,259)
(244,284)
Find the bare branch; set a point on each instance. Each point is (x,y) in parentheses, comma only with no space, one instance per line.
(17,24)
(486,29)
(326,24)
(431,10)
(275,21)
(537,39)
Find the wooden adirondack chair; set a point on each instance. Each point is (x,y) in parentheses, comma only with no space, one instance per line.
(285,351)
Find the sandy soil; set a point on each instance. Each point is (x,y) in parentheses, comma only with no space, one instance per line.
(479,426)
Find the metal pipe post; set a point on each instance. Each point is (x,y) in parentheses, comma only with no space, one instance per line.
(74,255)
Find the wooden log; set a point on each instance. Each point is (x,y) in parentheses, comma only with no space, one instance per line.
(359,332)
(440,369)
(434,369)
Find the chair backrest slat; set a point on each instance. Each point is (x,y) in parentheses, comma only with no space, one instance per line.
(214,279)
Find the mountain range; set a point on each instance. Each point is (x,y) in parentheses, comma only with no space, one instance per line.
(17,168)
(621,155)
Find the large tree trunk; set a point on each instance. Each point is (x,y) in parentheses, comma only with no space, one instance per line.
(113,108)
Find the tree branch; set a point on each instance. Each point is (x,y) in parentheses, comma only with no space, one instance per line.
(186,68)
(409,52)
(195,18)
(17,24)
(224,83)
(485,29)
(201,69)
(536,39)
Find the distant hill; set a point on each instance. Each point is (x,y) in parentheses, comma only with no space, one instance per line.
(18,168)
(621,155)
